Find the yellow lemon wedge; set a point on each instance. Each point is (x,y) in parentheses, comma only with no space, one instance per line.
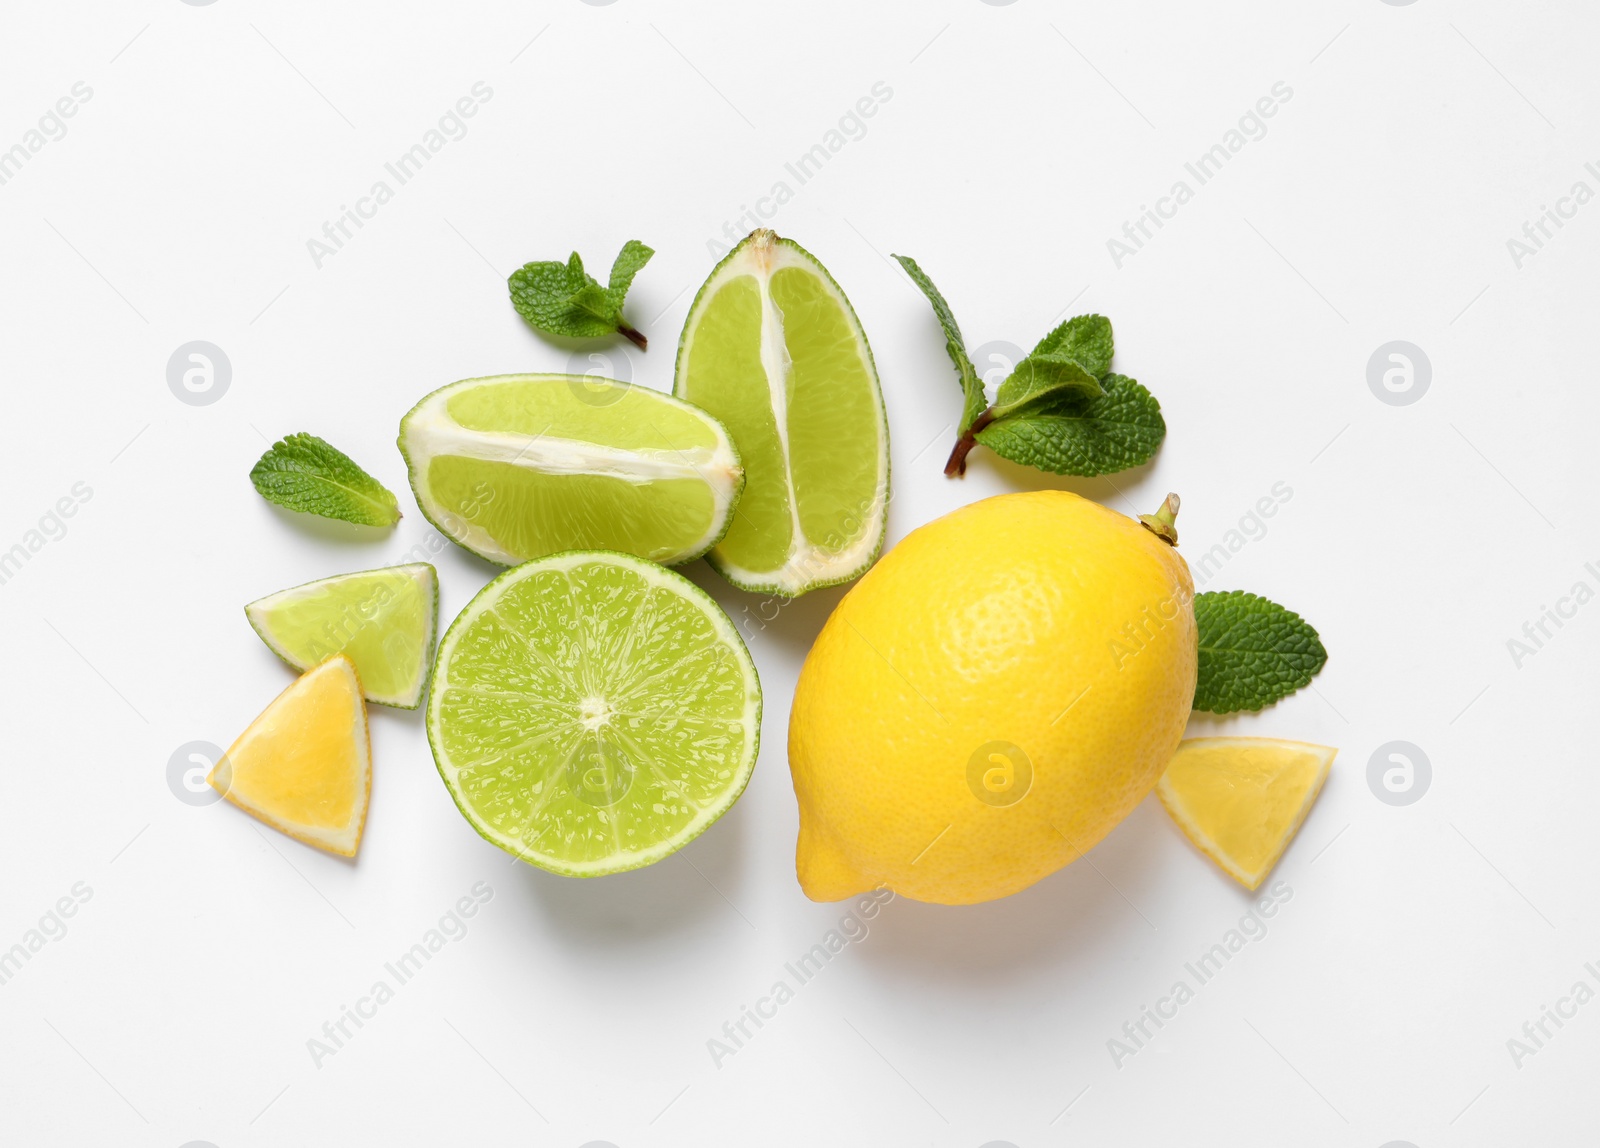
(1241,800)
(305,765)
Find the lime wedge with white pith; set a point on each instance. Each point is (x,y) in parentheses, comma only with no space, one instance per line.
(384,621)
(773,349)
(592,712)
(515,467)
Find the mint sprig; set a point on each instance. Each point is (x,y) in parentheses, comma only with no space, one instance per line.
(302,472)
(564,299)
(1252,652)
(1060,409)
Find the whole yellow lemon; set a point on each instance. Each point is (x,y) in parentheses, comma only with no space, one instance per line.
(990,700)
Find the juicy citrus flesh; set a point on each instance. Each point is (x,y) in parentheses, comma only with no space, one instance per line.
(773,349)
(1241,800)
(304,766)
(990,700)
(514,467)
(384,621)
(591,712)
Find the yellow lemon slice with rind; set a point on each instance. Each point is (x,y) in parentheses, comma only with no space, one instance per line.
(305,765)
(1241,800)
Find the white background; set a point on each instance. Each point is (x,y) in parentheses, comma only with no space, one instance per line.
(1018,139)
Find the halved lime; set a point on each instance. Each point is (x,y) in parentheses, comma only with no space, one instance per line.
(384,621)
(772,348)
(592,712)
(519,466)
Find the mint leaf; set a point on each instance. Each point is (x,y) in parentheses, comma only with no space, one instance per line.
(1082,435)
(1252,652)
(1086,338)
(596,301)
(1038,378)
(564,299)
(971,385)
(304,473)
(1071,358)
(633,256)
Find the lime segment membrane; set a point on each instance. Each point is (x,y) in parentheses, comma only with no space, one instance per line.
(773,349)
(514,467)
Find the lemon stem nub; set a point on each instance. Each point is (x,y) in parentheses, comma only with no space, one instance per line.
(1164,522)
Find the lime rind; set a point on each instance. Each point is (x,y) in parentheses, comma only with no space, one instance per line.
(761,255)
(659,578)
(261,613)
(721,471)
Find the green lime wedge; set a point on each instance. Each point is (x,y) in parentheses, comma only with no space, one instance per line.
(592,712)
(515,467)
(383,620)
(773,349)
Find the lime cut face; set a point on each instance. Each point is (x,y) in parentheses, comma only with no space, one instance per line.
(592,712)
(514,467)
(773,349)
(384,621)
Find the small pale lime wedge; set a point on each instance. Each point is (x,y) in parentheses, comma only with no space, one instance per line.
(384,621)
(592,712)
(515,467)
(773,349)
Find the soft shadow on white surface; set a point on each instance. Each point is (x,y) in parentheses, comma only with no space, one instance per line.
(793,623)
(675,895)
(1101,490)
(1088,912)
(328,531)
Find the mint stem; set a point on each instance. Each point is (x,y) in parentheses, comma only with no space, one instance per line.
(957,466)
(633,336)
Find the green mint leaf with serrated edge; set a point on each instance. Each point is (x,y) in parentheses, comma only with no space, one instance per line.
(1084,436)
(1086,338)
(564,299)
(630,260)
(971,385)
(302,472)
(1252,652)
(1039,378)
